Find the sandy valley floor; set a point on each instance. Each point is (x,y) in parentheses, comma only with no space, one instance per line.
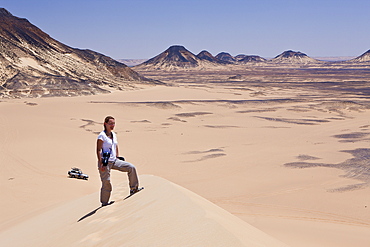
(291,160)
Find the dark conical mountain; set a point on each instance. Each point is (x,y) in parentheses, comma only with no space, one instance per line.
(365,57)
(32,64)
(291,54)
(226,57)
(178,57)
(252,59)
(239,59)
(175,56)
(293,57)
(205,55)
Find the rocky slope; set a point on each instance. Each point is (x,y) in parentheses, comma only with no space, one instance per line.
(32,64)
(365,57)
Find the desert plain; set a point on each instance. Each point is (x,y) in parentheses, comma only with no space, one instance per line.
(227,158)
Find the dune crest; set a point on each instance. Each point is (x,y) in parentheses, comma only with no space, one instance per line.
(163,214)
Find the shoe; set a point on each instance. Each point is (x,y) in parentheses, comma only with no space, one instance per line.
(133,191)
(107,203)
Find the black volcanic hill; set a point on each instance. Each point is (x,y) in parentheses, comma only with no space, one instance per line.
(226,57)
(293,57)
(175,56)
(365,57)
(178,57)
(239,59)
(32,64)
(205,55)
(252,59)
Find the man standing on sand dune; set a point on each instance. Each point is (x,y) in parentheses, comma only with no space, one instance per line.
(108,159)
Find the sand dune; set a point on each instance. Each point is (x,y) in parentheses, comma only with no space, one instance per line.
(163,214)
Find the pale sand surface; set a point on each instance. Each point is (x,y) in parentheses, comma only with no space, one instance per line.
(227,145)
(163,214)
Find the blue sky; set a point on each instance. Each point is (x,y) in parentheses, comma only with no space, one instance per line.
(145,28)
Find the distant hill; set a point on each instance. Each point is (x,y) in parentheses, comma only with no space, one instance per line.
(293,57)
(365,57)
(174,56)
(205,55)
(239,59)
(178,57)
(32,64)
(252,59)
(132,62)
(226,57)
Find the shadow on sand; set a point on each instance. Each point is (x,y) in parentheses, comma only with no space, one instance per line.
(94,211)
(110,203)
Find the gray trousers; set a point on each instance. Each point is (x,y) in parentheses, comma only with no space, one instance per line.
(119,165)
